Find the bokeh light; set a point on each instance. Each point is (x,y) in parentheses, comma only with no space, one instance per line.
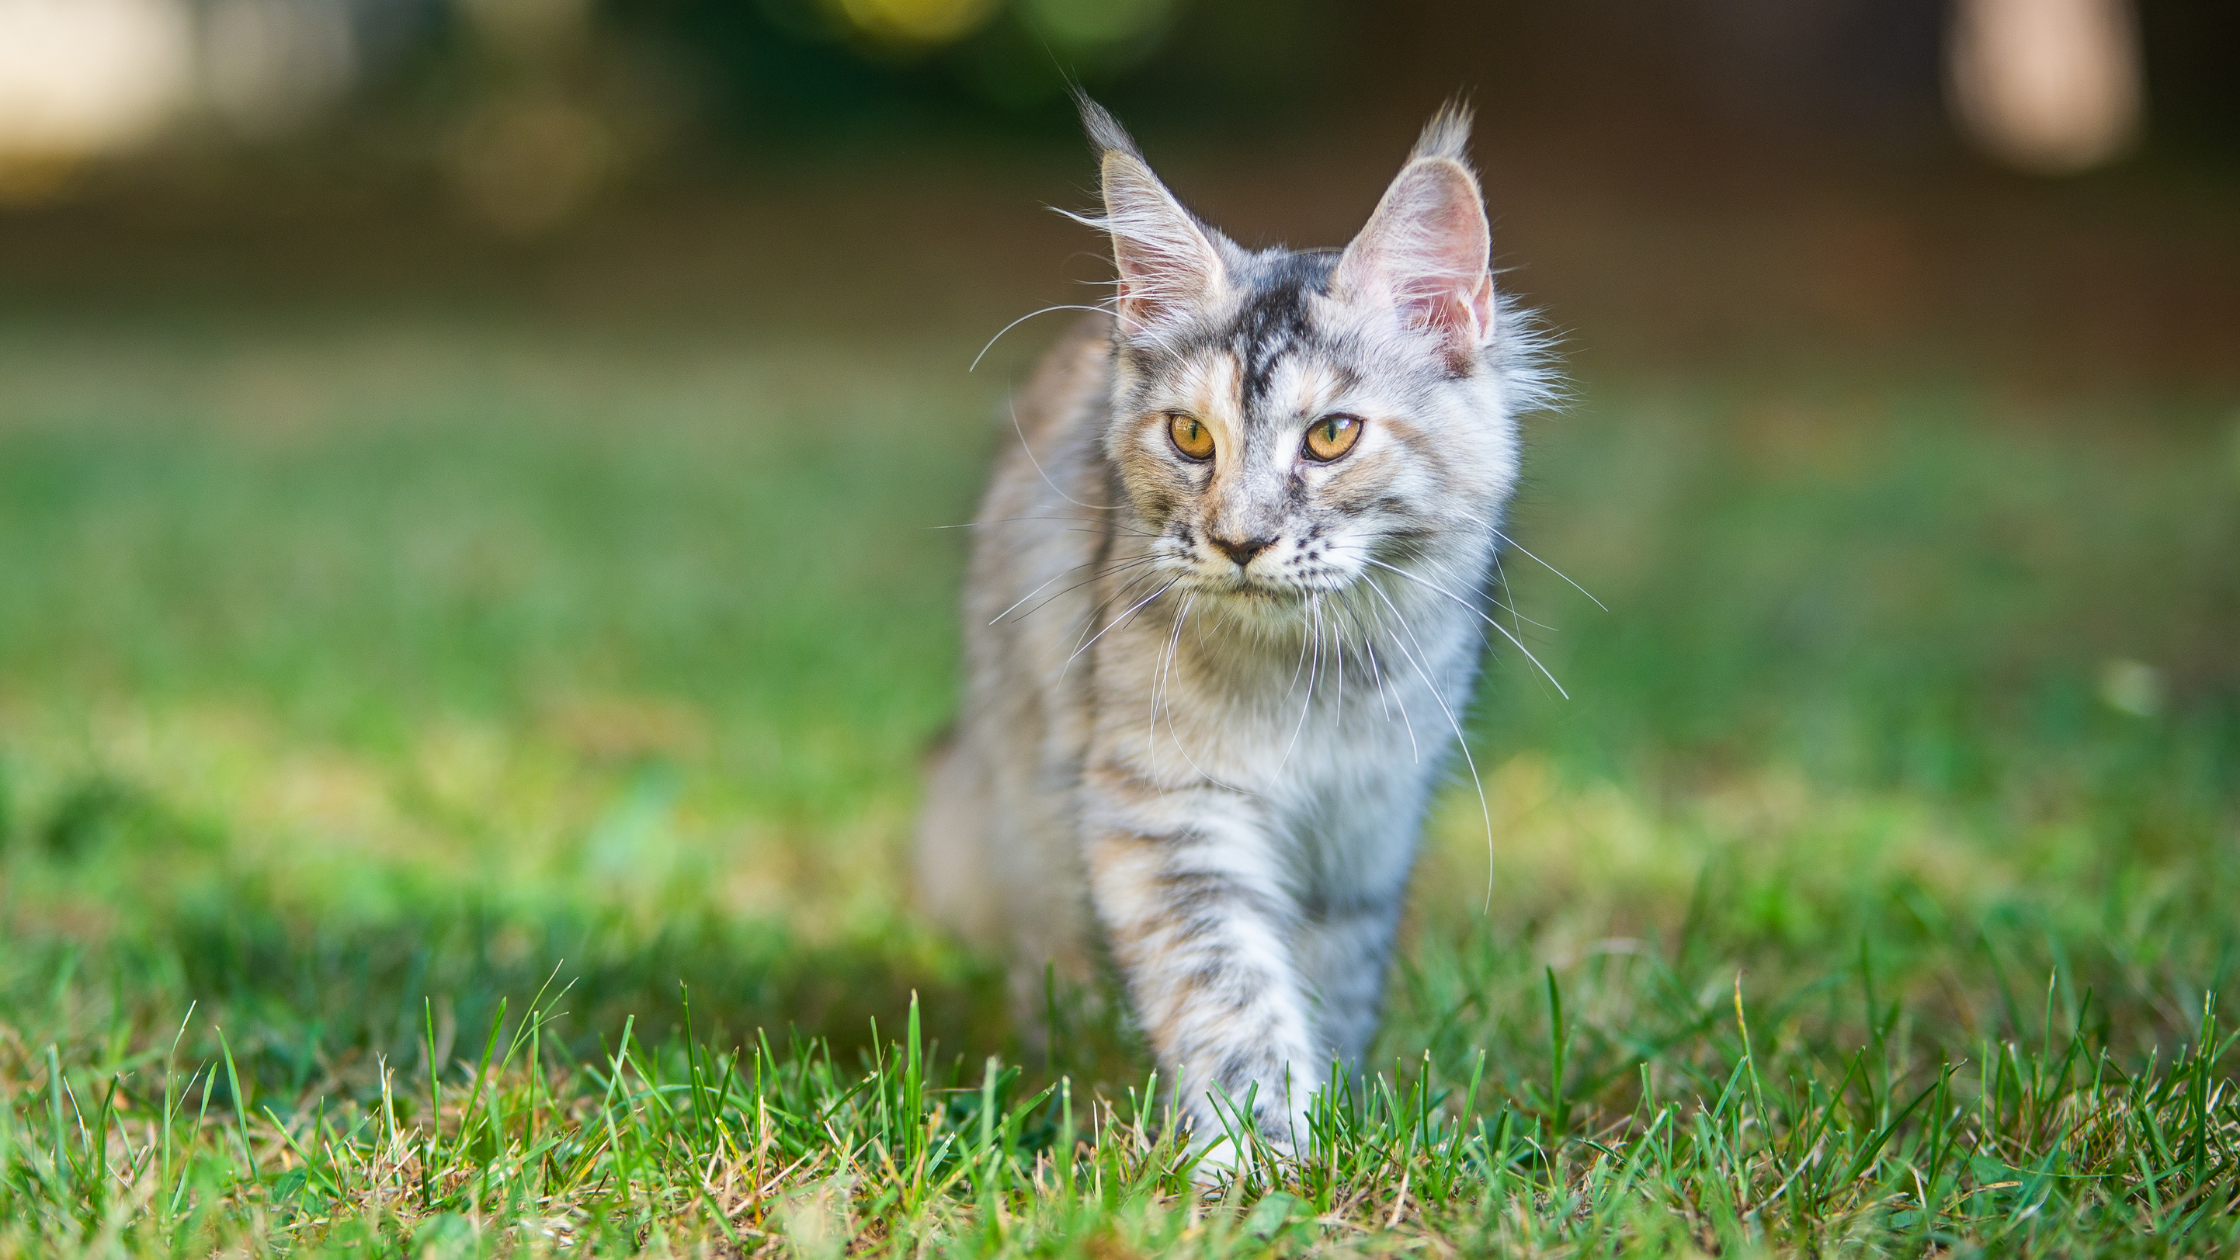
(2050,86)
(917,21)
(83,78)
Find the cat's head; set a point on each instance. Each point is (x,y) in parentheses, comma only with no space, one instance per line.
(1288,421)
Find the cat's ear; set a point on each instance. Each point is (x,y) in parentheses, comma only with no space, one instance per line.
(1168,262)
(1427,251)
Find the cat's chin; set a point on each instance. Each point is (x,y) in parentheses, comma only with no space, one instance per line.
(1246,590)
(1270,605)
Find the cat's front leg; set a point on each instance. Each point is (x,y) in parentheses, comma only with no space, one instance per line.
(1343,950)
(1362,861)
(1192,899)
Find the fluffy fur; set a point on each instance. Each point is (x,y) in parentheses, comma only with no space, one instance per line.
(1207,700)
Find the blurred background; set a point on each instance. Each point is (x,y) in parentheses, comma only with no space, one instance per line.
(478,482)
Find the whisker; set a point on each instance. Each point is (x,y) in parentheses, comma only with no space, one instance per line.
(1106,533)
(1549,567)
(1028,447)
(1480,614)
(1127,591)
(1013,520)
(1021,320)
(1299,668)
(1504,605)
(1159,677)
(1165,687)
(1417,555)
(1314,610)
(1060,575)
(1384,691)
(1338,637)
(1114,622)
(1461,741)
(1119,567)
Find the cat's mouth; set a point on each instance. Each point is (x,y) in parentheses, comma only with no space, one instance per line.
(1257,588)
(1283,573)
(1251,587)
(1201,579)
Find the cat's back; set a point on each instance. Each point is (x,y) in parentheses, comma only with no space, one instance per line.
(994,858)
(1046,507)
(1069,380)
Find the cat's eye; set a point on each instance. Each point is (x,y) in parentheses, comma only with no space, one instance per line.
(1332,436)
(1190,436)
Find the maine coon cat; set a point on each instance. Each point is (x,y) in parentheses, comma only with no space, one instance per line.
(1227,601)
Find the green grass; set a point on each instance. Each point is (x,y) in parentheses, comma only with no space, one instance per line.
(379,697)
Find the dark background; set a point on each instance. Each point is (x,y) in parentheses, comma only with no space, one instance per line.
(1739,179)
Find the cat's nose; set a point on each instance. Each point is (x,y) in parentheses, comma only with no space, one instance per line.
(1241,551)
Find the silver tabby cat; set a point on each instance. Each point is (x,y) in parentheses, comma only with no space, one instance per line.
(1226,605)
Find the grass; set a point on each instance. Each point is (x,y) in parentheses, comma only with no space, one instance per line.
(453,777)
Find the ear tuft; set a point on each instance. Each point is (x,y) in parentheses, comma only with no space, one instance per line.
(1447,135)
(1104,130)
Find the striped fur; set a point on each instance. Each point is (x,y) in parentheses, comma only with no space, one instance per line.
(1221,756)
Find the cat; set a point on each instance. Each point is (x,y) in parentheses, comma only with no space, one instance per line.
(1226,604)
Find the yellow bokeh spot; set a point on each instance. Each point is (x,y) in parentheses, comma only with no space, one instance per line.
(917,21)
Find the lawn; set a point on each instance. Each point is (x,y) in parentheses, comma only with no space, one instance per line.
(455,771)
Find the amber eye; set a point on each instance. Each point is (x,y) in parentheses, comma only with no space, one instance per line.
(1332,436)
(1190,437)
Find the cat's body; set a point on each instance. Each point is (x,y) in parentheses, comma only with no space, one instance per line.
(1212,675)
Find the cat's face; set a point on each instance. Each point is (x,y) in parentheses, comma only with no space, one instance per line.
(1288,423)
(1289,441)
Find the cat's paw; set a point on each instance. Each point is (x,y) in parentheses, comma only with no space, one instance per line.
(1220,1160)
(1224,1155)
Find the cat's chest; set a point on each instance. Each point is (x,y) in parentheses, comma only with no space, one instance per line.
(1318,736)
(1343,810)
